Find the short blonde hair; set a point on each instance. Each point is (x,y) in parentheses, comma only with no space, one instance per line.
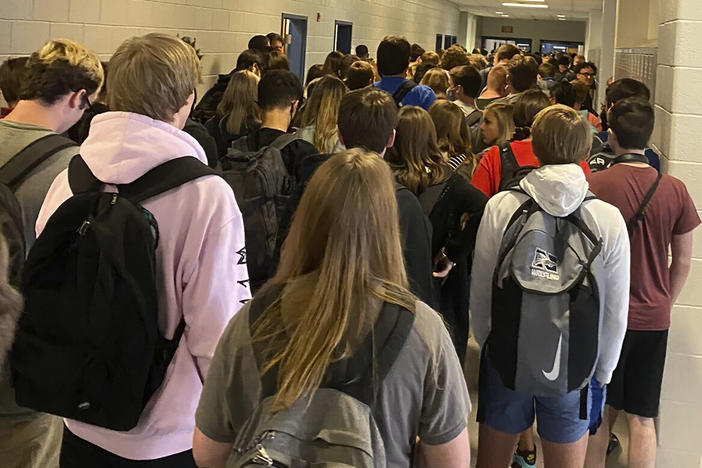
(152,75)
(61,66)
(560,135)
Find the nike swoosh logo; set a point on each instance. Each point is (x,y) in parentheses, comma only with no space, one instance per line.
(556,370)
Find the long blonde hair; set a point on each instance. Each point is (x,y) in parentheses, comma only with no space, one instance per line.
(415,157)
(322,111)
(452,133)
(503,112)
(239,101)
(346,236)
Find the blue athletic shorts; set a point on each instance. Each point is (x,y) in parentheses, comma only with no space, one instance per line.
(512,412)
(598,396)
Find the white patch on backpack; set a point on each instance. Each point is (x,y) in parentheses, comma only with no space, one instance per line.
(545,265)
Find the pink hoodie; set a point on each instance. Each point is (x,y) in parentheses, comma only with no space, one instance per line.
(201,265)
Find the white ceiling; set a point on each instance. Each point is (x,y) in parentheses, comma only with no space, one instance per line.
(573,9)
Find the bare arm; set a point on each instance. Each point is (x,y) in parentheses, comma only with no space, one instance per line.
(452,454)
(209,453)
(681,249)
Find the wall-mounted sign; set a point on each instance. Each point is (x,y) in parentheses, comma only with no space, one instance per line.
(507,29)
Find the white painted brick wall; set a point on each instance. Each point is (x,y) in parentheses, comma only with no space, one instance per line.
(677,135)
(222,27)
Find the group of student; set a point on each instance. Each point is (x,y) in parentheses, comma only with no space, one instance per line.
(370,213)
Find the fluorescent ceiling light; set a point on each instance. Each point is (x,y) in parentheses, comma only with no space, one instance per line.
(561,16)
(499,13)
(525,5)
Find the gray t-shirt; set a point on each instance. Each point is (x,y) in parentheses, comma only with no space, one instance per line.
(424,395)
(14,137)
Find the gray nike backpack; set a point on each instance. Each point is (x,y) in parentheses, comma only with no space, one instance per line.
(335,427)
(545,303)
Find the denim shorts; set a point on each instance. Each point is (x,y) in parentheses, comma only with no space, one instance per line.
(598,396)
(505,410)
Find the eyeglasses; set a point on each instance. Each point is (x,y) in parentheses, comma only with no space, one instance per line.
(588,74)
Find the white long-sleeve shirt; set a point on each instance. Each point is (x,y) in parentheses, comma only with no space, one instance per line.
(559,190)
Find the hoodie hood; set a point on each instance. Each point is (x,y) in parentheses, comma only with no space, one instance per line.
(558,188)
(123,146)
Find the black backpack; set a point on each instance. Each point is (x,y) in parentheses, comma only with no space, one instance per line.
(262,187)
(511,172)
(402,91)
(88,345)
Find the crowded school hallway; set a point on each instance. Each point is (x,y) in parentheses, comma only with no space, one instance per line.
(434,234)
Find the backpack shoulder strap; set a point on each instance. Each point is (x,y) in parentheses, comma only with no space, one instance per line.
(473,118)
(284,140)
(638,216)
(508,161)
(431,196)
(14,171)
(165,177)
(402,91)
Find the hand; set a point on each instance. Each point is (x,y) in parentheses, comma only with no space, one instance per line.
(442,267)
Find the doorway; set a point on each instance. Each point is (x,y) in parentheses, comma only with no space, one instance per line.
(342,36)
(492,43)
(294,29)
(449,41)
(439,41)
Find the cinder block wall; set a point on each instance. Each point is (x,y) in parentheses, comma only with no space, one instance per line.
(222,27)
(677,136)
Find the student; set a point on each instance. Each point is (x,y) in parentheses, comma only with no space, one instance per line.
(249,60)
(497,126)
(279,94)
(360,75)
(330,287)
(393,60)
(367,119)
(489,177)
(522,73)
(362,51)
(238,113)
(431,57)
(278,61)
(601,157)
(547,80)
(416,52)
(496,87)
(465,86)
(581,95)
(564,93)
(276,42)
(666,224)
(12,72)
(319,116)
(333,64)
(563,72)
(259,43)
(561,139)
(54,96)
(150,95)
(586,72)
(454,57)
(438,80)
(453,206)
(503,55)
(453,136)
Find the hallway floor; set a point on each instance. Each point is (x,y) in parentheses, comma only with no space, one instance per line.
(618,459)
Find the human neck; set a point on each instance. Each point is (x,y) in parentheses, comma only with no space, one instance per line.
(490,93)
(622,151)
(399,75)
(35,113)
(466,100)
(278,119)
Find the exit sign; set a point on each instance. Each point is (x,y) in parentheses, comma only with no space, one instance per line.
(507,29)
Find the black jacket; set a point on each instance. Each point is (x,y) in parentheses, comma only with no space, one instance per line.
(415,229)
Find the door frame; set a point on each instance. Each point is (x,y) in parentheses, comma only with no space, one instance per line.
(293,17)
(343,23)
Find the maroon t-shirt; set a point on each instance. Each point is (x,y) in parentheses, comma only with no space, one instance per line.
(670,212)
